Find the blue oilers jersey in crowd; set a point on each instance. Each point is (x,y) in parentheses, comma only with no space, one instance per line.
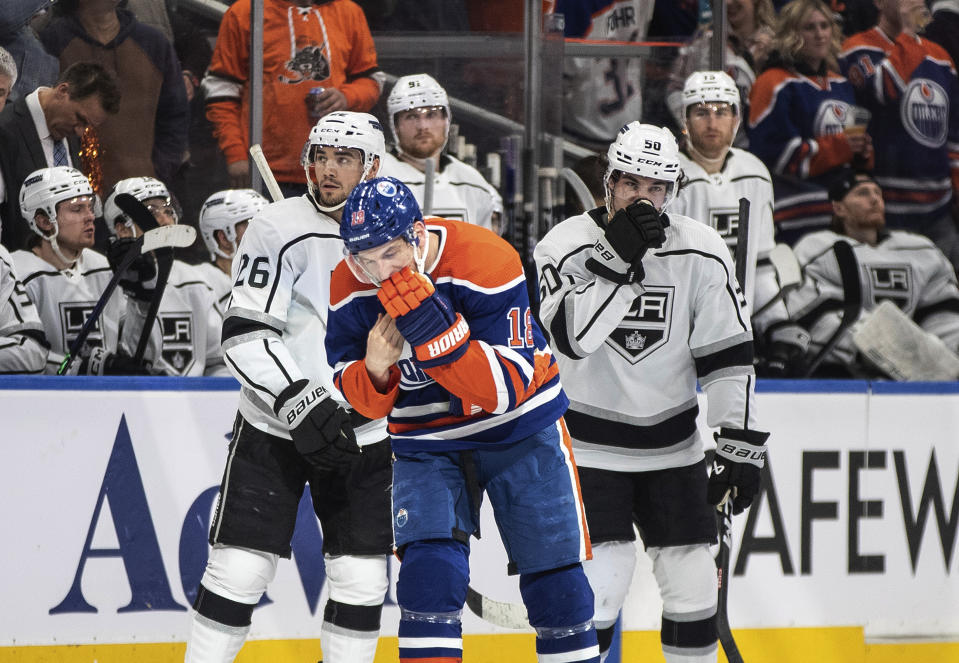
(910,86)
(796,125)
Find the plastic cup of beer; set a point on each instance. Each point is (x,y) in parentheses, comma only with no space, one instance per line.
(857,120)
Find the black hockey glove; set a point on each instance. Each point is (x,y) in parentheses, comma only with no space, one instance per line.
(740,455)
(101,362)
(140,278)
(631,232)
(785,351)
(320,428)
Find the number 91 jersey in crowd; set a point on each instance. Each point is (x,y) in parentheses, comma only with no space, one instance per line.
(273,332)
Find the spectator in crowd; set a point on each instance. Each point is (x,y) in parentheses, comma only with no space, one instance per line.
(43,130)
(8,76)
(800,114)
(37,67)
(717,176)
(23,345)
(943,27)
(188,315)
(749,37)
(854,15)
(419,113)
(149,135)
(325,48)
(64,277)
(910,85)
(900,266)
(600,95)
(223,220)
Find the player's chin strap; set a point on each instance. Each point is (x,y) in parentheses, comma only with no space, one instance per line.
(312,190)
(59,254)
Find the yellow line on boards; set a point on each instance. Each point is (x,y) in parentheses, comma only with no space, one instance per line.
(786,645)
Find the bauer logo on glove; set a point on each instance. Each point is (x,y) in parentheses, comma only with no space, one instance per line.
(303,403)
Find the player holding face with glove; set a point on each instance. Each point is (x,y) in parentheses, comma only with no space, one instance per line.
(290,429)
(640,306)
(430,326)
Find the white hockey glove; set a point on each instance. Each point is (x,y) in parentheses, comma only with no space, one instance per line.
(632,231)
(320,428)
(740,455)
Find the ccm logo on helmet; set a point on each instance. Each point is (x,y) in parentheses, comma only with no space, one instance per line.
(448,340)
(359,216)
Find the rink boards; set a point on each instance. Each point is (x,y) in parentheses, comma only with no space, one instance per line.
(108,486)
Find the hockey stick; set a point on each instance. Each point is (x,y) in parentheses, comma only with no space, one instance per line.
(141,216)
(167,236)
(498,613)
(742,244)
(259,160)
(724,517)
(852,301)
(429,173)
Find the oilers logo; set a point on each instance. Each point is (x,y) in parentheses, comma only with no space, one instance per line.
(646,327)
(925,112)
(832,118)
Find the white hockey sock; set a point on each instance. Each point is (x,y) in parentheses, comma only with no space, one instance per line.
(343,645)
(212,642)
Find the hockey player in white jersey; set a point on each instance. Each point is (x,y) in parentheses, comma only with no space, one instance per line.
(640,306)
(23,345)
(65,278)
(717,176)
(905,268)
(188,315)
(289,429)
(419,116)
(224,218)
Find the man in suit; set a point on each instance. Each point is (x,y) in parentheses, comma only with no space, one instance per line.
(43,129)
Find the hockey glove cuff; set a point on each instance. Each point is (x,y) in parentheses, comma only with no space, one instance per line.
(740,455)
(321,429)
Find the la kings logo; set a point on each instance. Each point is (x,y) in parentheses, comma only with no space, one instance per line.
(72,317)
(892,282)
(726,223)
(178,340)
(646,327)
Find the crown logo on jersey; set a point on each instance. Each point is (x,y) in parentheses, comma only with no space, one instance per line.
(359,216)
(635,341)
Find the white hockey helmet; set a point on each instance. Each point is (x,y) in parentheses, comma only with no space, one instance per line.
(44,188)
(359,131)
(223,211)
(645,150)
(703,87)
(141,188)
(416,91)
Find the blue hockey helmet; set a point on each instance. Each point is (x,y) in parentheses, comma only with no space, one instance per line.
(378,211)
